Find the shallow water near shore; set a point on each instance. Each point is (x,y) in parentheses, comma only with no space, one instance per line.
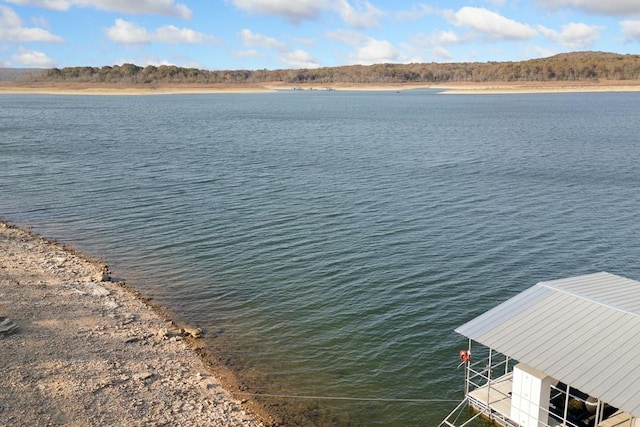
(330,242)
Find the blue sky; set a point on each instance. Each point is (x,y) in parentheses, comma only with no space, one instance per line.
(276,34)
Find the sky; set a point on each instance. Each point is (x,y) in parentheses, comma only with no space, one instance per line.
(293,34)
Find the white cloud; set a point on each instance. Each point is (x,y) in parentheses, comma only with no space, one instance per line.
(32,58)
(375,52)
(152,7)
(367,16)
(173,34)
(297,11)
(11,29)
(47,4)
(251,39)
(573,35)
(291,58)
(630,30)
(368,50)
(435,44)
(154,62)
(126,32)
(294,11)
(298,59)
(442,54)
(493,25)
(542,52)
(606,7)
(496,3)
(441,37)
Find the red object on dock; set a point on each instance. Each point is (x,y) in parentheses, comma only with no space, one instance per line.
(465,356)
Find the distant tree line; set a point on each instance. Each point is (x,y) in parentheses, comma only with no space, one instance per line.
(564,67)
(17,74)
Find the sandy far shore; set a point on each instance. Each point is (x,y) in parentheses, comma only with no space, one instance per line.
(540,87)
(118,89)
(493,87)
(90,352)
(447,88)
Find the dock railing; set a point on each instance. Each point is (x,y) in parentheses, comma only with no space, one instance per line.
(480,372)
(488,391)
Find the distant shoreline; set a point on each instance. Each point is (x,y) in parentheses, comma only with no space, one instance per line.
(66,88)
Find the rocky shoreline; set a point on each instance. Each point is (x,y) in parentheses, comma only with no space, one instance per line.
(79,350)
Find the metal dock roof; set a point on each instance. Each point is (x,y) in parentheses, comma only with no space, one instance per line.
(583,331)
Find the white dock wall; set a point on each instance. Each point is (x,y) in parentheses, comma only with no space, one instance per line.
(530,396)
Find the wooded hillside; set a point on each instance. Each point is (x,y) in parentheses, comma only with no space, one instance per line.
(564,67)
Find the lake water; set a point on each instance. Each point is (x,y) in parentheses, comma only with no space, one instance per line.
(330,242)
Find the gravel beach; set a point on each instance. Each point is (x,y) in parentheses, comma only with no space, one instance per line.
(79,350)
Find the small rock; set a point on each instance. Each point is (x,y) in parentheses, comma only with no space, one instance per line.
(194,332)
(111,304)
(207,385)
(128,319)
(142,376)
(101,276)
(7,326)
(98,291)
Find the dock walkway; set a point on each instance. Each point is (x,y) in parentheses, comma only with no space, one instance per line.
(494,401)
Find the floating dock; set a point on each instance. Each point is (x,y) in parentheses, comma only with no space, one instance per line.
(561,353)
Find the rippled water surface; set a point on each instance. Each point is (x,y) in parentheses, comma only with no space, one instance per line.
(330,242)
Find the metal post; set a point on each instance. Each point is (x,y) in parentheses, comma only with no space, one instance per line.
(598,414)
(506,365)
(489,385)
(467,372)
(566,405)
